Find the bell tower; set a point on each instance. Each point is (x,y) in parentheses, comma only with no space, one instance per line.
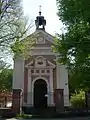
(40,22)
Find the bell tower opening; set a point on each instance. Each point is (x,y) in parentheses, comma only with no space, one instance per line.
(40,22)
(40,92)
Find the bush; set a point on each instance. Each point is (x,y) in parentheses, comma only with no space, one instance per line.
(77,100)
(25,116)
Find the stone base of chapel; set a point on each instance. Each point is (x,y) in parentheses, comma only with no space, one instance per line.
(56,103)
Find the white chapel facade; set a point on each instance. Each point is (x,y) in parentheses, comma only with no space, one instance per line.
(39,76)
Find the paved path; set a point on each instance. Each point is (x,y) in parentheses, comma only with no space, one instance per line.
(78,118)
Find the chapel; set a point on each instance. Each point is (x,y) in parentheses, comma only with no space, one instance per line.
(40,81)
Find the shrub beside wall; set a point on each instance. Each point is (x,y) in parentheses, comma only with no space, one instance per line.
(77,100)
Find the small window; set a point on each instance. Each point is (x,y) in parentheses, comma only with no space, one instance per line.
(32,71)
(48,71)
(43,71)
(37,71)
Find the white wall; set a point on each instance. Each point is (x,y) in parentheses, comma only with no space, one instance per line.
(62,82)
(18,74)
(42,52)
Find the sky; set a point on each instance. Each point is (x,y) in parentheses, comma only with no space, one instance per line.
(49,11)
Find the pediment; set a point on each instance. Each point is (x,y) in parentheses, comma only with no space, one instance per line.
(40,62)
(43,36)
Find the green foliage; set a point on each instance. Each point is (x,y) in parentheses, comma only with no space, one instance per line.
(22,48)
(2,65)
(11,22)
(25,116)
(6,79)
(78,99)
(74,45)
(79,78)
(73,11)
(13,27)
(12,30)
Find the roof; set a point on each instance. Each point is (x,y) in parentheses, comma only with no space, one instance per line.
(48,36)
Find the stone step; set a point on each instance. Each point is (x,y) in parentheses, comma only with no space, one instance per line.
(32,110)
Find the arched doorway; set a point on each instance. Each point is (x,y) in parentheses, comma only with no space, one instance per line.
(40,92)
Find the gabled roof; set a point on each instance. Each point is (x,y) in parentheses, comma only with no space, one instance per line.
(43,33)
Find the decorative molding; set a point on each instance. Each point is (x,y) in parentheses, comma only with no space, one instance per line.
(48,88)
(36,66)
(51,64)
(42,53)
(49,85)
(46,35)
(51,88)
(40,62)
(40,57)
(40,40)
(29,64)
(29,95)
(41,74)
(37,48)
(46,67)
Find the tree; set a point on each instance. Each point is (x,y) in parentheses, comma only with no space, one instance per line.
(6,80)
(77,100)
(13,27)
(74,45)
(11,22)
(73,11)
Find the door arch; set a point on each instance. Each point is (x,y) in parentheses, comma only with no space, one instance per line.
(40,92)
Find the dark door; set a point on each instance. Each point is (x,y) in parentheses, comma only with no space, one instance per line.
(40,90)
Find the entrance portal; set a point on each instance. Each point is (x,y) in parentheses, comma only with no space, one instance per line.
(40,91)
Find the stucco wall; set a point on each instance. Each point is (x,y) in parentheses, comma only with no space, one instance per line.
(18,74)
(60,73)
(62,82)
